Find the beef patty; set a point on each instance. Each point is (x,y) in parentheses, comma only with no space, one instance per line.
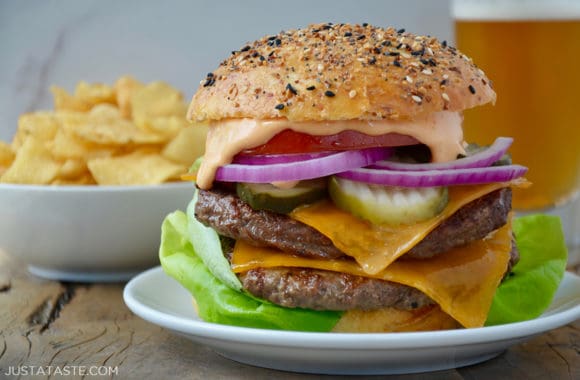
(325,290)
(230,216)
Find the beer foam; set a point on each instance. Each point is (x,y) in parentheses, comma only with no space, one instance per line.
(506,10)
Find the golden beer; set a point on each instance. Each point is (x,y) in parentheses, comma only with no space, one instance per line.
(534,65)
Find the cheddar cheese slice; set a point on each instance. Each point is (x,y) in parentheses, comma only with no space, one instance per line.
(375,247)
(462,281)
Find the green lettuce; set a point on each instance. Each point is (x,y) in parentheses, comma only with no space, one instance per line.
(207,247)
(529,289)
(216,301)
(191,253)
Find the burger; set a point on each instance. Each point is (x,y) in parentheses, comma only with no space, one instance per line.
(337,193)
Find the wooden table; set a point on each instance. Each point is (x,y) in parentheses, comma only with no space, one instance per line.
(87,329)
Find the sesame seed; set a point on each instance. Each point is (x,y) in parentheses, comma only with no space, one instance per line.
(427,72)
(348,34)
(445,97)
(417,99)
(394,53)
(409,79)
(291,89)
(209,82)
(406,55)
(361,37)
(279,107)
(245,48)
(429,51)
(445,76)
(444,43)
(372,61)
(402,30)
(365,24)
(329,93)
(471,89)
(320,67)
(310,88)
(352,94)
(414,64)
(397,63)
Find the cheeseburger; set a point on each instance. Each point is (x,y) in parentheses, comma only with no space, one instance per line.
(337,192)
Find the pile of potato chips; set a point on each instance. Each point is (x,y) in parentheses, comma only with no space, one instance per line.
(130,133)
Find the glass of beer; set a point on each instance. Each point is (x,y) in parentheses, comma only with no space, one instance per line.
(530,49)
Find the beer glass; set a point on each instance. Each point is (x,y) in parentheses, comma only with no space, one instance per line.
(530,49)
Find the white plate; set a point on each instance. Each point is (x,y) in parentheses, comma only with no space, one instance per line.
(159,299)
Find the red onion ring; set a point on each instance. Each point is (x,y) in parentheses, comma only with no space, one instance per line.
(300,170)
(479,160)
(430,178)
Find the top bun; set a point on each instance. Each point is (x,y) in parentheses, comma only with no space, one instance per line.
(341,72)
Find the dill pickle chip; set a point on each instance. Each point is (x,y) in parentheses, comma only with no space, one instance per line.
(265,196)
(387,204)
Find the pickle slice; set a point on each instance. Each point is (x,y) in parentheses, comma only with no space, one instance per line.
(264,196)
(387,204)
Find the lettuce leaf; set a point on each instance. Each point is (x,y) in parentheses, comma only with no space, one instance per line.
(528,291)
(218,302)
(208,248)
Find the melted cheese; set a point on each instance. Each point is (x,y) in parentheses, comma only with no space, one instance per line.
(375,247)
(462,281)
(440,131)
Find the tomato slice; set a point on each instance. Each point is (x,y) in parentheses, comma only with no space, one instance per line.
(288,141)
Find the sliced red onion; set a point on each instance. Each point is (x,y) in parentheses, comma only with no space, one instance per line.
(430,178)
(299,170)
(268,159)
(479,160)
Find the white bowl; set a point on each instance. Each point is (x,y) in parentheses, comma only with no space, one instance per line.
(87,233)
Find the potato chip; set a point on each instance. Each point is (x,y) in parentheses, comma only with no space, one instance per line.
(63,101)
(188,145)
(168,126)
(85,179)
(6,156)
(157,99)
(133,169)
(41,125)
(72,168)
(95,93)
(106,126)
(33,164)
(125,88)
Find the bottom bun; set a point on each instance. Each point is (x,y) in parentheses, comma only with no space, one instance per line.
(428,318)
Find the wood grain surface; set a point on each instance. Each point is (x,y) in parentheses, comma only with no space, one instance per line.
(88,329)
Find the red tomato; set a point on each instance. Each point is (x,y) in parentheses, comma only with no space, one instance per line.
(288,141)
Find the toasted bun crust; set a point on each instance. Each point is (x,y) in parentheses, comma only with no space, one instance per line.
(430,318)
(341,72)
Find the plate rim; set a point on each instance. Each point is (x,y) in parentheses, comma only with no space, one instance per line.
(341,341)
